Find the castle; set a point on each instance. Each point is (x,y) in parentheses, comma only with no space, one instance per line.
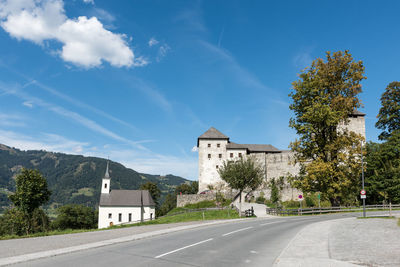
(214,148)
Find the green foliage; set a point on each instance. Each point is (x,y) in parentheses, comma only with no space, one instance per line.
(153,189)
(31,191)
(389,113)
(323,98)
(167,205)
(185,188)
(74,216)
(383,170)
(16,222)
(276,185)
(241,174)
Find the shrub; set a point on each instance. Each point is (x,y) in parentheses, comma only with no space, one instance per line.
(16,222)
(75,216)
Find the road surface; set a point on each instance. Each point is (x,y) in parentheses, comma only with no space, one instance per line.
(253,242)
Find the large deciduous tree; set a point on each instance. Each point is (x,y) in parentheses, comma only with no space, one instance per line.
(389,113)
(241,174)
(31,192)
(328,154)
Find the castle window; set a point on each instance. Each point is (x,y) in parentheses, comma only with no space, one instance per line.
(109,215)
(119,217)
(209,145)
(209,156)
(105,185)
(231,155)
(240,155)
(130,217)
(217,166)
(220,156)
(218,145)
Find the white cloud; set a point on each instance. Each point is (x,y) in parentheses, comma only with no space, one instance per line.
(11,120)
(89,2)
(152,42)
(28,104)
(85,41)
(195,149)
(45,141)
(162,51)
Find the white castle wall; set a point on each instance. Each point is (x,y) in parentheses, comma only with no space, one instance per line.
(275,165)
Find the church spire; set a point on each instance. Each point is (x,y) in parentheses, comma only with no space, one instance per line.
(107,175)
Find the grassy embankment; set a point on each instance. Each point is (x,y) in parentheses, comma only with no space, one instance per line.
(174,216)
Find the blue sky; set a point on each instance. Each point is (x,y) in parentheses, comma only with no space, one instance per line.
(139,81)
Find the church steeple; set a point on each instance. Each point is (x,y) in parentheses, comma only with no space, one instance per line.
(105,185)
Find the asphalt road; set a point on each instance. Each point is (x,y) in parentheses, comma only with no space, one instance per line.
(256,242)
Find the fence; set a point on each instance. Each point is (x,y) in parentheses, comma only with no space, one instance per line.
(307,211)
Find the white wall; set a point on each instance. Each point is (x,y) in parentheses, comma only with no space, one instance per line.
(208,172)
(104,221)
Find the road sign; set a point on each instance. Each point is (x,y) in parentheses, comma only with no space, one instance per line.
(363,192)
(363,196)
(300,197)
(319,196)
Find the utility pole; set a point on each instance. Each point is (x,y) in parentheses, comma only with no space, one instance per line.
(362,176)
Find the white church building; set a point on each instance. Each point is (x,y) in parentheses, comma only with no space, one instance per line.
(215,147)
(123,206)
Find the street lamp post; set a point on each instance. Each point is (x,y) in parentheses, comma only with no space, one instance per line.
(362,176)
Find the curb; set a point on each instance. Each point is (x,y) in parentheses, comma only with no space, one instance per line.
(55,252)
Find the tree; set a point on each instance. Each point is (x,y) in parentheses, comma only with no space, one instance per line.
(31,192)
(75,216)
(185,188)
(153,189)
(389,113)
(241,174)
(383,169)
(327,152)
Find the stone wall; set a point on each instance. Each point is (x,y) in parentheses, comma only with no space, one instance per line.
(182,200)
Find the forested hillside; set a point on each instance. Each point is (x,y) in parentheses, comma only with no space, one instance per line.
(73,178)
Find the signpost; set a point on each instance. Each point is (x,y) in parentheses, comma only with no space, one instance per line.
(301,200)
(363,194)
(362,177)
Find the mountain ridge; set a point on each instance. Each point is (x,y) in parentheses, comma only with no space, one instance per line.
(74,178)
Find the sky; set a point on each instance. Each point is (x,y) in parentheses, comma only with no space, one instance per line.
(139,81)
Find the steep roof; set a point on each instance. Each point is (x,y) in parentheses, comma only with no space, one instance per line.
(253,147)
(126,198)
(212,133)
(357,113)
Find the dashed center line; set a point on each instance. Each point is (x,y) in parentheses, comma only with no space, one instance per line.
(271,223)
(237,231)
(176,250)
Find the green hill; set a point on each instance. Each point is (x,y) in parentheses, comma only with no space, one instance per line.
(73,178)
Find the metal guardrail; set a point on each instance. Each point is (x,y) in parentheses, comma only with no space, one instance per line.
(288,212)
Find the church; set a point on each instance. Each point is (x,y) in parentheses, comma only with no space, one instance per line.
(123,206)
(215,147)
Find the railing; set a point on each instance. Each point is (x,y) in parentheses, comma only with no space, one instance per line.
(307,211)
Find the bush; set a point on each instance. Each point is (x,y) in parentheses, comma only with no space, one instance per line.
(260,200)
(15,222)
(75,216)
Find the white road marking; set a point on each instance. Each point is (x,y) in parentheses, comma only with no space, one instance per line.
(270,223)
(176,250)
(237,231)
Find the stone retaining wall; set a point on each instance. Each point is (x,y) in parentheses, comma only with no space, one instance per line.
(182,200)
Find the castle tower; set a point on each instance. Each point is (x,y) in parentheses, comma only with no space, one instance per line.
(212,152)
(105,185)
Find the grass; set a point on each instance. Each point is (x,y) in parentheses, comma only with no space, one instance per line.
(398,222)
(185,217)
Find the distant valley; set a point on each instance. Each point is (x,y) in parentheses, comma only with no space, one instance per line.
(73,178)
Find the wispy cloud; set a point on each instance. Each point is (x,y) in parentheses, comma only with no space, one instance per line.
(12,120)
(87,123)
(244,76)
(28,104)
(152,42)
(151,92)
(43,141)
(303,59)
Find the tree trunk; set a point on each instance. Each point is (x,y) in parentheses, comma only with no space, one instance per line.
(240,203)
